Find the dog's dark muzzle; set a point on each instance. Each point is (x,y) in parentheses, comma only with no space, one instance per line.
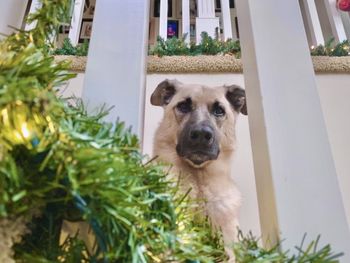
(198,143)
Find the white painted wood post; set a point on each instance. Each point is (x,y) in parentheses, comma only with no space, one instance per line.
(335,20)
(75,24)
(206,20)
(163,19)
(297,184)
(12,13)
(186,20)
(206,8)
(36,4)
(233,14)
(346,22)
(116,67)
(226,19)
(313,22)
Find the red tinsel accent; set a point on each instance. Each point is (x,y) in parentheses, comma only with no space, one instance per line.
(343,5)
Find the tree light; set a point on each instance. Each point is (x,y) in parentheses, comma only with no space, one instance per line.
(27,125)
(25,130)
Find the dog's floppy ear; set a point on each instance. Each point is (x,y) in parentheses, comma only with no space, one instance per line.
(236,96)
(164,92)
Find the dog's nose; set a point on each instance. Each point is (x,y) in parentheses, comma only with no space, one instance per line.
(201,135)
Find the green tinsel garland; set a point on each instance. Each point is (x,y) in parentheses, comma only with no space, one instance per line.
(70,166)
(212,46)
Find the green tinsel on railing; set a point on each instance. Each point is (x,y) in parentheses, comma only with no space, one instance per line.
(213,46)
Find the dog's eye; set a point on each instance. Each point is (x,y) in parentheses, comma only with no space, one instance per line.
(217,110)
(184,107)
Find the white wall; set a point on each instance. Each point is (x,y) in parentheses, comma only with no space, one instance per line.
(74,87)
(11,13)
(334,92)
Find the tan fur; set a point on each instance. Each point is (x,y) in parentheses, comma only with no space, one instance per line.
(212,180)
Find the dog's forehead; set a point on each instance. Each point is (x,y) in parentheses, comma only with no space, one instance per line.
(201,93)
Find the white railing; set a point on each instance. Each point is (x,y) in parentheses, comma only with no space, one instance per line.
(323,21)
(296,180)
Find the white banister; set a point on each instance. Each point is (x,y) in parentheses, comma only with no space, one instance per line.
(36,4)
(335,20)
(312,25)
(346,22)
(206,8)
(163,19)
(206,20)
(233,14)
(116,66)
(75,24)
(186,20)
(297,184)
(226,18)
(12,13)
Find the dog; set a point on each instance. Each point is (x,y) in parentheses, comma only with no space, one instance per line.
(197,136)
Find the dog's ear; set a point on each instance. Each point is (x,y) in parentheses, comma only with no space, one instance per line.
(236,96)
(164,92)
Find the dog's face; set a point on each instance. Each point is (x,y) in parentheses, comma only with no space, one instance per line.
(199,121)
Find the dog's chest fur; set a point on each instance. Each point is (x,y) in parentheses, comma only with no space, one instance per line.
(220,196)
(211,185)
